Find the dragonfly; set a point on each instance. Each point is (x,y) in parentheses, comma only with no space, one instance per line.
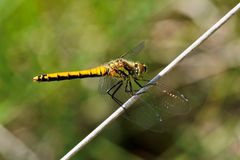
(123,72)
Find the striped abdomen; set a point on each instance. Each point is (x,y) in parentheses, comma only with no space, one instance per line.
(94,72)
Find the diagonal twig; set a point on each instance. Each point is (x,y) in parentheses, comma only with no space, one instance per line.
(134,98)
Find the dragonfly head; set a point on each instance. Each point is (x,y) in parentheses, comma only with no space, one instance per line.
(140,69)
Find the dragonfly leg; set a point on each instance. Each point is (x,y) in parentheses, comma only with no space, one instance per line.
(128,87)
(108,91)
(117,86)
(135,80)
(149,84)
(138,83)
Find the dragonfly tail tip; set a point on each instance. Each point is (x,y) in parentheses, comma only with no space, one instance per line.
(35,79)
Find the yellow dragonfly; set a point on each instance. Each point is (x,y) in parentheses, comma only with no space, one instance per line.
(123,71)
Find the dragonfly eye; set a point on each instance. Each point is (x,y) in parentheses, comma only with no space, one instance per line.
(145,68)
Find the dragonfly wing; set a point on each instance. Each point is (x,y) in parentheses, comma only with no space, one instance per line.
(132,52)
(142,114)
(105,83)
(119,95)
(157,108)
(145,115)
(169,100)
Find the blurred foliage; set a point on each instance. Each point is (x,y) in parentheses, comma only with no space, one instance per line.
(50,118)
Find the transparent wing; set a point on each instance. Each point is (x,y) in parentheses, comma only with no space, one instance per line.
(106,83)
(132,52)
(154,110)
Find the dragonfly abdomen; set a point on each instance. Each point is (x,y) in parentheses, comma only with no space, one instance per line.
(94,72)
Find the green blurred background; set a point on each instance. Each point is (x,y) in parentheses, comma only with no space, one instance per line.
(45,120)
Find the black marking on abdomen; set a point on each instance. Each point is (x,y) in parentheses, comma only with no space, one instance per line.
(43,77)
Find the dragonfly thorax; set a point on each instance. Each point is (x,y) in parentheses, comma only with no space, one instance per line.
(124,69)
